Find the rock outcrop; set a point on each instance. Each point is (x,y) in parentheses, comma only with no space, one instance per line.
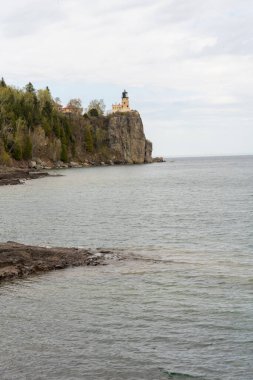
(158,159)
(12,176)
(19,260)
(127,140)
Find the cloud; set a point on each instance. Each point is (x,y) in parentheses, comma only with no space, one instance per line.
(28,17)
(180,58)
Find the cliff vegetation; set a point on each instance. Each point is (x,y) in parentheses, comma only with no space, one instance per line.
(36,130)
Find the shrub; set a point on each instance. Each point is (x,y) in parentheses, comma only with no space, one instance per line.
(17,152)
(5,158)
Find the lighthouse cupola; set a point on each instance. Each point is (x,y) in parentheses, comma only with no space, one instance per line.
(124,94)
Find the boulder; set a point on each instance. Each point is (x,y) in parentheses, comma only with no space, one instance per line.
(158,159)
(73,164)
(32,164)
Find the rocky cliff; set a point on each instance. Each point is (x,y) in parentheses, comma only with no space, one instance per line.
(127,140)
(35,131)
(114,139)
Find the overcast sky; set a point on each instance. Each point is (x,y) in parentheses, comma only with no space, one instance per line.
(187,64)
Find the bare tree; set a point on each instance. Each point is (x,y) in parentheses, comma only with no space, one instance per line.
(97,104)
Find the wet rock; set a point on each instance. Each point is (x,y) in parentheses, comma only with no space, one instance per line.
(158,159)
(19,260)
(18,176)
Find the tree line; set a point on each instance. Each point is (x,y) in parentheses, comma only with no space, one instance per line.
(30,118)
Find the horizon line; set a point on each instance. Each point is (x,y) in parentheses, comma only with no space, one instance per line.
(208,155)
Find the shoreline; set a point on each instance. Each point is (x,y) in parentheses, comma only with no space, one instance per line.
(18,175)
(20,261)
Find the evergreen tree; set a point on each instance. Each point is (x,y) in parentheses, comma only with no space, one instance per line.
(2,83)
(27,149)
(31,124)
(88,139)
(29,88)
(64,153)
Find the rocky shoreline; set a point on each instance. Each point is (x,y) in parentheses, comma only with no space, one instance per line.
(19,260)
(38,169)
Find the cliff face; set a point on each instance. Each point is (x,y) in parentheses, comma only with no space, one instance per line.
(117,138)
(76,140)
(127,140)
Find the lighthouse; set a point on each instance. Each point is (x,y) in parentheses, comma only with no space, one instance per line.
(124,105)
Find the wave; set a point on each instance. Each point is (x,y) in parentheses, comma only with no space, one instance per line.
(180,376)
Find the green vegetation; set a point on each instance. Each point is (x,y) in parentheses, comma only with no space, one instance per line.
(33,124)
(96,108)
(88,139)
(64,153)
(93,112)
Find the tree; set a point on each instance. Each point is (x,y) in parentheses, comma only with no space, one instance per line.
(88,139)
(2,83)
(64,153)
(22,142)
(57,100)
(98,105)
(76,105)
(93,112)
(27,148)
(44,97)
(29,88)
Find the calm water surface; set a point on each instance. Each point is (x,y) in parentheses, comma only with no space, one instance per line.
(184,310)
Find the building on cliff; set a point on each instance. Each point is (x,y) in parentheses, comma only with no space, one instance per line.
(124,105)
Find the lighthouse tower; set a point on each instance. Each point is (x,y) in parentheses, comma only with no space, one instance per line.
(124,105)
(125,101)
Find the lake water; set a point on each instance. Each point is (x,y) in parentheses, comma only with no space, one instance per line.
(183,310)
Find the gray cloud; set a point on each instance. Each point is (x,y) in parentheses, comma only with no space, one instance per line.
(229,21)
(31,17)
